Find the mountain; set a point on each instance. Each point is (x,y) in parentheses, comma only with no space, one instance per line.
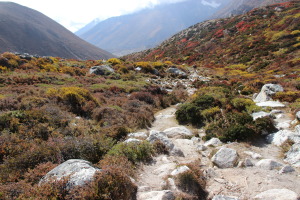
(264,38)
(25,30)
(237,7)
(147,28)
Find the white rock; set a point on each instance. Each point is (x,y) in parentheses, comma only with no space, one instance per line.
(268,164)
(253,154)
(132,140)
(201,147)
(77,171)
(157,195)
(160,136)
(283,124)
(141,135)
(222,197)
(144,189)
(178,132)
(279,137)
(298,115)
(225,158)
(272,104)
(267,91)
(196,140)
(164,170)
(293,155)
(180,170)
(213,142)
(286,169)
(277,194)
(260,114)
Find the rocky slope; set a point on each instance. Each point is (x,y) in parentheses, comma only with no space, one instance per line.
(25,30)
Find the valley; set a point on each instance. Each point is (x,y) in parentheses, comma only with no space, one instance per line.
(211,113)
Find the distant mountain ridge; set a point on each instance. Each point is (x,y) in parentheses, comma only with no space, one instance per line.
(25,30)
(147,28)
(237,7)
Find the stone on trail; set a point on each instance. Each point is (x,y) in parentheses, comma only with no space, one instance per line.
(140,135)
(225,158)
(268,164)
(286,169)
(253,154)
(279,137)
(157,195)
(132,140)
(260,114)
(293,155)
(180,170)
(272,104)
(178,132)
(277,194)
(222,197)
(213,142)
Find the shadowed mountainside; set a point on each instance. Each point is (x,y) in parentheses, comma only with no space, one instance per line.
(25,30)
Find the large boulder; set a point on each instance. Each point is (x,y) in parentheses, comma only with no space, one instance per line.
(178,132)
(268,164)
(277,194)
(225,158)
(177,72)
(102,70)
(78,172)
(180,170)
(279,137)
(267,92)
(293,155)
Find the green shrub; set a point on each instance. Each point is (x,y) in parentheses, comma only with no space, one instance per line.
(189,113)
(242,103)
(210,113)
(135,152)
(237,133)
(264,125)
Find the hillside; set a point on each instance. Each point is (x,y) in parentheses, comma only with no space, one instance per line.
(262,39)
(237,7)
(25,30)
(147,28)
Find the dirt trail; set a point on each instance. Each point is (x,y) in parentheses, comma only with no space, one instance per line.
(243,183)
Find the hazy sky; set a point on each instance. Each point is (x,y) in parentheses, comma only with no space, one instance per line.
(74,14)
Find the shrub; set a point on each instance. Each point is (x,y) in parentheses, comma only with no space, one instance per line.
(114,61)
(237,133)
(134,152)
(264,125)
(242,103)
(210,113)
(144,96)
(189,113)
(289,96)
(192,182)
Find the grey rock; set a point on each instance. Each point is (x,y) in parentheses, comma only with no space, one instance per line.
(293,155)
(267,91)
(162,137)
(298,115)
(268,164)
(178,132)
(225,158)
(201,147)
(78,172)
(253,154)
(259,115)
(141,135)
(101,70)
(157,195)
(196,140)
(277,194)
(132,140)
(177,152)
(248,163)
(286,169)
(177,72)
(272,104)
(180,170)
(279,137)
(213,142)
(222,197)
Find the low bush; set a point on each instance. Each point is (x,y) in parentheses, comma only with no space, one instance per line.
(237,133)
(134,152)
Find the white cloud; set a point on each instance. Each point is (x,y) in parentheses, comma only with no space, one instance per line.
(74,14)
(211,3)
